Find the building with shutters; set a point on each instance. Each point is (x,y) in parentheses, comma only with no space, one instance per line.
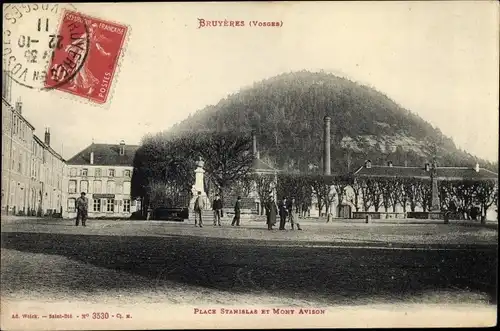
(32,171)
(104,173)
(17,138)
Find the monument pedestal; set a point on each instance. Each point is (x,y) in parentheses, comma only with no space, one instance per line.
(199,186)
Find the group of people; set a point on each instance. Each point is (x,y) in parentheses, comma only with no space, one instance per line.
(285,210)
(199,206)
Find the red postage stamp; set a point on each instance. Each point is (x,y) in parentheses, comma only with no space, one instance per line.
(86,62)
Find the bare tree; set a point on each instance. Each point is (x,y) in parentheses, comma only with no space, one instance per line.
(365,195)
(323,189)
(264,185)
(354,197)
(425,194)
(411,192)
(486,195)
(227,157)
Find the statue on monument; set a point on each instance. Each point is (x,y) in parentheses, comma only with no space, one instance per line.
(198,185)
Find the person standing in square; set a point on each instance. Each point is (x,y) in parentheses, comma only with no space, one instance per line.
(292,215)
(237,212)
(283,213)
(199,205)
(217,208)
(82,205)
(271,212)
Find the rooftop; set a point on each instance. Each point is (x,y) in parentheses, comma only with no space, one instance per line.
(18,114)
(105,155)
(260,166)
(448,173)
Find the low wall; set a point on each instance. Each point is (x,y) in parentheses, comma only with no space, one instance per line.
(380,215)
(425,215)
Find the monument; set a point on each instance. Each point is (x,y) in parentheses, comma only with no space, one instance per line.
(199,186)
(435,204)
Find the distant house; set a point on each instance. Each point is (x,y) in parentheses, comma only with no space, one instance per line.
(104,173)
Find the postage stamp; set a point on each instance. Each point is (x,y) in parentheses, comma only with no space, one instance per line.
(86,71)
(55,47)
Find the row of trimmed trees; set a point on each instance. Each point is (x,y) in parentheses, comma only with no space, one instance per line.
(164,164)
(380,193)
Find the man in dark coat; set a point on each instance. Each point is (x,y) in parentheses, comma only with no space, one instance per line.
(82,205)
(237,212)
(283,213)
(217,208)
(271,212)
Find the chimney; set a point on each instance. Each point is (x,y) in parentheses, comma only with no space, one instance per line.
(6,86)
(47,137)
(389,163)
(92,157)
(368,164)
(477,167)
(122,147)
(427,167)
(19,106)
(326,146)
(254,144)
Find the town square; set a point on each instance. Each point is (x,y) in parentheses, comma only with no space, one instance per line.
(312,186)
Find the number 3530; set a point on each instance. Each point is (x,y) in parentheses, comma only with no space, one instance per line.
(100,316)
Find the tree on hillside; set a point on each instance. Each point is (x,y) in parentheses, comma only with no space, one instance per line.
(288,111)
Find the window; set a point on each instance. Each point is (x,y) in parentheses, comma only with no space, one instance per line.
(84,186)
(126,206)
(96,205)
(72,186)
(126,188)
(71,204)
(72,172)
(97,186)
(98,172)
(110,187)
(19,166)
(126,173)
(85,172)
(111,173)
(13,159)
(110,205)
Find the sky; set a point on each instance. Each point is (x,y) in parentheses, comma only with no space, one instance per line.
(438,59)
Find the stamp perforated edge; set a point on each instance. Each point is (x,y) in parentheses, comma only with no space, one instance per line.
(107,103)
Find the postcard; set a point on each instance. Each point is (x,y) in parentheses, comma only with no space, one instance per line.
(233,165)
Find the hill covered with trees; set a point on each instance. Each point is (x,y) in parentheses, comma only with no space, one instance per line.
(287,114)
